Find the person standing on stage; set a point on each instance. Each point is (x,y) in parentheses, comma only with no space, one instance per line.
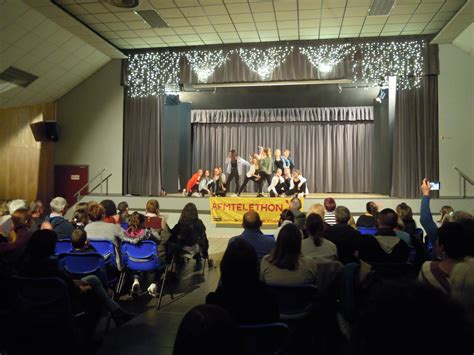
(217,185)
(297,184)
(192,186)
(286,154)
(266,166)
(253,174)
(277,187)
(234,169)
(204,184)
(279,161)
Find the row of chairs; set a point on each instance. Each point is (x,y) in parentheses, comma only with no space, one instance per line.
(372,231)
(141,257)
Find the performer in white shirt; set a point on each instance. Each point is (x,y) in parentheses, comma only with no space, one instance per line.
(253,174)
(277,187)
(297,185)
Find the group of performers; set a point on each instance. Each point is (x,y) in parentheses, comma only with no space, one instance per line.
(278,172)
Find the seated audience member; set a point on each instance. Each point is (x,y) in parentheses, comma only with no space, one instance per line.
(346,238)
(454,274)
(79,242)
(20,234)
(368,219)
(111,215)
(406,215)
(277,187)
(82,206)
(315,246)
(286,217)
(80,219)
(208,329)
(261,243)
(445,212)
(240,292)
(188,233)
(437,324)
(136,233)
(153,210)
(97,229)
(37,210)
(6,224)
(385,246)
(61,226)
(192,186)
(285,265)
(318,209)
(329,206)
(203,188)
(161,228)
(295,207)
(352,222)
(39,264)
(123,211)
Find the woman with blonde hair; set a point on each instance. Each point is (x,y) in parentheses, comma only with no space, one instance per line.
(279,161)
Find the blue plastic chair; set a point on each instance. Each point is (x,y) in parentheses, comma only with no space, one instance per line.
(295,302)
(124,226)
(367,231)
(106,249)
(62,247)
(142,257)
(80,265)
(264,338)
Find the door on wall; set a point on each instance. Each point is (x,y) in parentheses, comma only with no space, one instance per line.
(68,179)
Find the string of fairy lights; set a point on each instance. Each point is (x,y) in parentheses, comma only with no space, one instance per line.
(371,63)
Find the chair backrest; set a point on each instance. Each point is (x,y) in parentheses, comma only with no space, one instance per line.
(269,236)
(105,248)
(142,256)
(367,231)
(265,338)
(295,302)
(394,271)
(79,265)
(154,222)
(326,273)
(62,247)
(124,225)
(419,234)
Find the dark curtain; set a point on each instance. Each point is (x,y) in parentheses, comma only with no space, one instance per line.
(415,148)
(333,156)
(142,145)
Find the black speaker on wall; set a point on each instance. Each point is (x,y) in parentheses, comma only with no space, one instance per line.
(45,131)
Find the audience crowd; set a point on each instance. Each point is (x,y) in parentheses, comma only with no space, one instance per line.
(384,286)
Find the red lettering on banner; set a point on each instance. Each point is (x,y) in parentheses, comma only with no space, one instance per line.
(263,207)
(239,207)
(279,208)
(250,207)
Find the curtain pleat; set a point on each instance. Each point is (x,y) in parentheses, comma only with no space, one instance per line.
(415,150)
(142,150)
(334,157)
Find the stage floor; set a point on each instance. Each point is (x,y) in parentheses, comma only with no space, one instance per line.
(322,195)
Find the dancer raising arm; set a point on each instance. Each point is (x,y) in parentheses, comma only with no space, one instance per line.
(234,169)
(253,174)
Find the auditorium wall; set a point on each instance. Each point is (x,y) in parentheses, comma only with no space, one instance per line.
(90,118)
(27,165)
(456,118)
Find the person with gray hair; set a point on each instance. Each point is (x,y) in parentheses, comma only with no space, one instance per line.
(6,223)
(295,207)
(346,238)
(61,226)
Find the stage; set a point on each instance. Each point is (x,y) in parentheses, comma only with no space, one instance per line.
(172,204)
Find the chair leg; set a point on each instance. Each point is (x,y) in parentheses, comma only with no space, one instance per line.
(162,287)
(120,283)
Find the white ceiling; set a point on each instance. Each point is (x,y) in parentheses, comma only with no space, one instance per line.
(31,42)
(37,36)
(465,40)
(201,22)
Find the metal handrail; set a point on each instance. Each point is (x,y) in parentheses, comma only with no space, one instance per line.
(106,179)
(462,181)
(78,192)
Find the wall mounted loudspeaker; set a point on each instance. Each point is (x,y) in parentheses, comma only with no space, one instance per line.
(45,131)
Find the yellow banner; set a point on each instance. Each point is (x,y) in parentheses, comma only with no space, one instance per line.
(230,210)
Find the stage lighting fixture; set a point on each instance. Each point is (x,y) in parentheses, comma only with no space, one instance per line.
(380,96)
(325,67)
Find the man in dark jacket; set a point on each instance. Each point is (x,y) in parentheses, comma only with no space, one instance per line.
(61,226)
(346,238)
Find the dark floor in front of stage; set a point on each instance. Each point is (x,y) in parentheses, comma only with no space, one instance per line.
(153,331)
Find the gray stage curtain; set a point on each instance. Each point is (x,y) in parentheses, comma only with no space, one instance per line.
(415,148)
(334,156)
(142,150)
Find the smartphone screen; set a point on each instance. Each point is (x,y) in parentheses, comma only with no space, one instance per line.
(434,185)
